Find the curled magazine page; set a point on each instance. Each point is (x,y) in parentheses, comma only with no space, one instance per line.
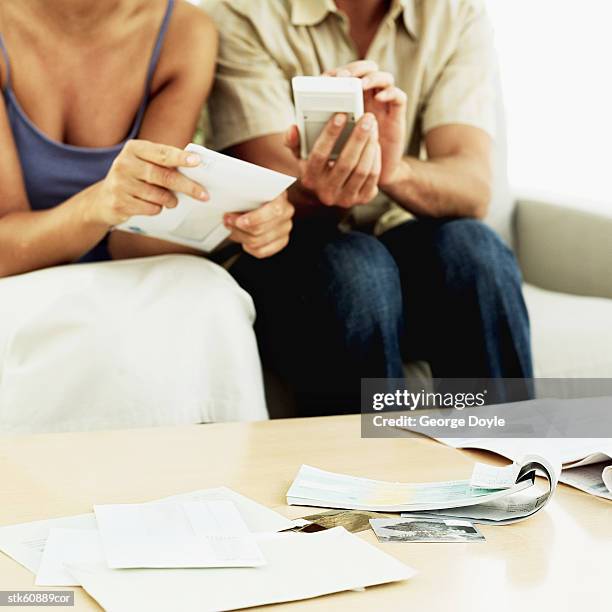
(607,477)
(512,508)
(592,478)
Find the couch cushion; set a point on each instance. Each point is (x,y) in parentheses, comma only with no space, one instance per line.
(571,335)
(136,343)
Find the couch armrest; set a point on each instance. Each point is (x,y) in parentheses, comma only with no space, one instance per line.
(564,249)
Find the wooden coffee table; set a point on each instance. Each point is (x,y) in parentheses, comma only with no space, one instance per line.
(560,559)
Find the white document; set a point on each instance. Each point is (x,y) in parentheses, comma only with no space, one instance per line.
(300,566)
(25,542)
(233,186)
(176,534)
(68,546)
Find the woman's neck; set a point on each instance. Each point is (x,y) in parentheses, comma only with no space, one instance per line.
(79,17)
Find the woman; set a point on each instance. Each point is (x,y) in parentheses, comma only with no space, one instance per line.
(98,100)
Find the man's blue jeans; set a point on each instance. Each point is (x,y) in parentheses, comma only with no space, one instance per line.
(336,307)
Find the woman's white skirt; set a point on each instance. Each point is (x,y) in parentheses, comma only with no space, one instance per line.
(145,342)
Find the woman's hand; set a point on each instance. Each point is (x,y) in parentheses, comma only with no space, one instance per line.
(142,180)
(388,104)
(265,231)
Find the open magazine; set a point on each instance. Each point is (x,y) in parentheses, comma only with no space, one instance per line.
(586,463)
(499,495)
(563,430)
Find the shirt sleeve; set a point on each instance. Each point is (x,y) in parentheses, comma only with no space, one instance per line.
(465,90)
(252,95)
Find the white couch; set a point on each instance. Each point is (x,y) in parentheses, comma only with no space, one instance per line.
(566,259)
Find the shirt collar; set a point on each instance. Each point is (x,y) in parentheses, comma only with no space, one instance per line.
(407,8)
(312,12)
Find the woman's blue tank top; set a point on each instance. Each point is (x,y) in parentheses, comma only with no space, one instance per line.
(53,171)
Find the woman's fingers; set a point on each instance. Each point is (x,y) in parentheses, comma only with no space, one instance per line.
(267,229)
(157,164)
(162,155)
(270,249)
(153,194)
(142,180)
(259,221)
(136,206)
(264,231)
(259,241)
(169,179)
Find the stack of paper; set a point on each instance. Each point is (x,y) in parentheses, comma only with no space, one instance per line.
(191,552)
(493,494)
(26,542)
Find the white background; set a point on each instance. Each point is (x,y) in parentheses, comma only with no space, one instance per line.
(556,58)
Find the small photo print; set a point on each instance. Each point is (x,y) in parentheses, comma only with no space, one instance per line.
(425,530)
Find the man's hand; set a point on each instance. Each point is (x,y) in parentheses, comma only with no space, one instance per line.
(351,179)
(265,231)
(388,104)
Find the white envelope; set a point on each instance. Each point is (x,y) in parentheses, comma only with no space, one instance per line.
(300,566)
(233,185)
(176,534)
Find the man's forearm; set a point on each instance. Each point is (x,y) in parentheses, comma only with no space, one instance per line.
(457,186)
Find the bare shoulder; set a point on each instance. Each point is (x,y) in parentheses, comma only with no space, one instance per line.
(193,27)
(190,50)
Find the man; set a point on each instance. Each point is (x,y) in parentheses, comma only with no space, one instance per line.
(388,261)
